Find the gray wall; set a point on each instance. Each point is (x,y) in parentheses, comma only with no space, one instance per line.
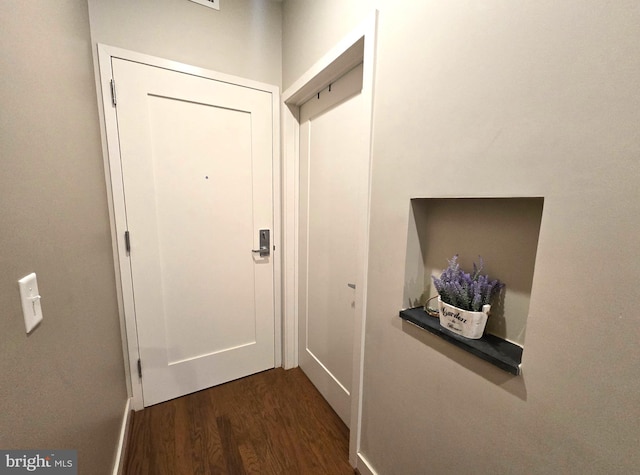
(499,98)
(243,38)
(63,385)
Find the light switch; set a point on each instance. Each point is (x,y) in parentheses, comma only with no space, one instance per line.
(30,301)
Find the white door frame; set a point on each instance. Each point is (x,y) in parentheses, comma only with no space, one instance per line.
(358,47)
(116,199)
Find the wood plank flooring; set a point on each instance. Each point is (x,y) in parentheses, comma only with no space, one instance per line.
(273,422)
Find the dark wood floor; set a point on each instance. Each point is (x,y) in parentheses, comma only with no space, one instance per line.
(274,422)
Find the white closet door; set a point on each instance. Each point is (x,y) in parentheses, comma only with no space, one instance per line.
(333,163)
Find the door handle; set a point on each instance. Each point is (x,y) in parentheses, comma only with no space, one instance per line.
(265,243)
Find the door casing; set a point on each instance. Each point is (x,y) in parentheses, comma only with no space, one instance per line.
(359,46)
(116,199)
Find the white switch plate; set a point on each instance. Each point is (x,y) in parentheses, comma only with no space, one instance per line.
(30,298)
(215,4)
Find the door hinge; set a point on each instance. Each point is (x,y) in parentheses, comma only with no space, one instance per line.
(139,368)
(113,92)
(127,242)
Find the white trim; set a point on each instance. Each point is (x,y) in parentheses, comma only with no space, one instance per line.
(364,467)
(358,46)
(115,192)
(123,440)
(290,193)
(128,55)
(115,188)
(277,225)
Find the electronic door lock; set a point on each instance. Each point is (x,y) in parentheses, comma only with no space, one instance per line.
(265,244)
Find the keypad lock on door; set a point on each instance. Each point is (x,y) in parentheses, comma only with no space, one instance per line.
(265,244)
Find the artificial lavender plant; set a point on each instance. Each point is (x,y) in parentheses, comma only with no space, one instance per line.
(466,291)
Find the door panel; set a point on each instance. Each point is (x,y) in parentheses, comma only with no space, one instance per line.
(333,159)
(197,170)
(187,199)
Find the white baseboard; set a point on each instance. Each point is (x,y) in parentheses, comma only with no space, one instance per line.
(123,439)
(364,467)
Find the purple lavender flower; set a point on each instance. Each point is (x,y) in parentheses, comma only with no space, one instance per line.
(466,291)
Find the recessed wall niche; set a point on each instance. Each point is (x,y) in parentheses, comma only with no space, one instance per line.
(504,231)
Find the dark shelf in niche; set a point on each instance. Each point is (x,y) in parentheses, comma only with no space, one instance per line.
(501,353)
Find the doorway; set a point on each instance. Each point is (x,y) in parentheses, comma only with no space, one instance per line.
(357,48)
(193,168)
(333,171)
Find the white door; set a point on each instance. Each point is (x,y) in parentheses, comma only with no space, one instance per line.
(333,178)
(196,157)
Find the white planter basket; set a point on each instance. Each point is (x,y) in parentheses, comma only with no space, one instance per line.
(463,322)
